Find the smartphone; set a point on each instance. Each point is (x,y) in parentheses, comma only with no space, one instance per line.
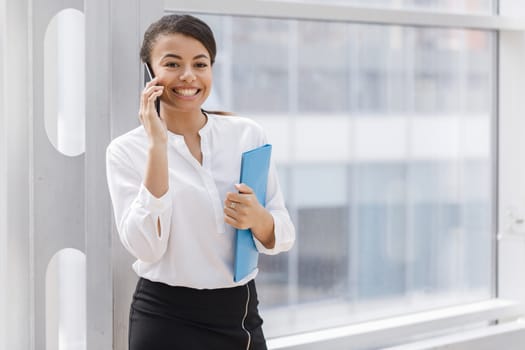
(148,76)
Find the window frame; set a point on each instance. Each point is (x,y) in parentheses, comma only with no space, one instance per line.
(509,228)
(3,172)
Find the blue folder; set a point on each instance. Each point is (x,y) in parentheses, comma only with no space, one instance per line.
(254,173)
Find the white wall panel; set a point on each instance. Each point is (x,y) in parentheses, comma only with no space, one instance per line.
(15,267)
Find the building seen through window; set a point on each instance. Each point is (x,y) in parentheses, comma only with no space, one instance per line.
(383,138)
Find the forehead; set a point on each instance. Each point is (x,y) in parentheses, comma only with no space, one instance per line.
(179,44)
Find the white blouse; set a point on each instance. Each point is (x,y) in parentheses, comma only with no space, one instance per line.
(196,247)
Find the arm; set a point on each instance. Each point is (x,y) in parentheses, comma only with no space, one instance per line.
(156,176)
(143,208)
(271,226)
(140,217)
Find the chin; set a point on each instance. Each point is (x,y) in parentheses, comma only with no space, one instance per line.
(185,109)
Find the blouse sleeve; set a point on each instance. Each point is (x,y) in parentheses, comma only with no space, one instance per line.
(138,214)
(283,227)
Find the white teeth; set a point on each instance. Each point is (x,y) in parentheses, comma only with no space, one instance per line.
(186,92)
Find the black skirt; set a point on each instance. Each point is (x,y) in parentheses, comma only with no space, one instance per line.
(164,317)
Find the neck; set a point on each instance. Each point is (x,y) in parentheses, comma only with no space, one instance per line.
(183,122)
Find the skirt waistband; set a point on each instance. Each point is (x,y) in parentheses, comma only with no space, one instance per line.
(183,302)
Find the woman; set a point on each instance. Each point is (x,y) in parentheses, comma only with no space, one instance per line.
(173,184)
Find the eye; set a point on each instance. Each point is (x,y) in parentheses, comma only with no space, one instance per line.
(201,65)
(171,65)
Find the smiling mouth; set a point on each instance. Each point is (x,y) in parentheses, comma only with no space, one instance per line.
(186,92)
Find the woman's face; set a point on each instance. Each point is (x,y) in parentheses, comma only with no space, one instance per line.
(183,66)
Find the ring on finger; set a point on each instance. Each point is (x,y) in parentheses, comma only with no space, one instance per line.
(233,205)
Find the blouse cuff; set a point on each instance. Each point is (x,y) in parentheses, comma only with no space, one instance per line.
(278,246)
(151,203)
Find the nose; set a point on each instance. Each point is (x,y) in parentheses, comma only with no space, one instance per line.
(187,75)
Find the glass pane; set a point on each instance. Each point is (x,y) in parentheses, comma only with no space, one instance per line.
(258,68)
(383,140)
(455,6)
(65,295)
(64,82)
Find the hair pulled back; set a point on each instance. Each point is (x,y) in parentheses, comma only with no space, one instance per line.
(182,24)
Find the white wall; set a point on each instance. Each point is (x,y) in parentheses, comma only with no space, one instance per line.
(15,318)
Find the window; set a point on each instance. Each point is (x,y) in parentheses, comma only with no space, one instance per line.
(461,6)
(383,138)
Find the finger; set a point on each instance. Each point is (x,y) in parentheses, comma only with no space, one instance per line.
(149,106)
(230,221)
(243,188)
(157,93)
(235,197)
(232,217)
(152,82)
(154,90)
(231,204)
(235,223)
(229,197)
(148,91)
(244,199)
(147,88)
(231,213)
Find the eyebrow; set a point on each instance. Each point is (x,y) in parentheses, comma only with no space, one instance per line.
(172,55)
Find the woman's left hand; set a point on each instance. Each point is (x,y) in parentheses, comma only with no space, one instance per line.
(243,211)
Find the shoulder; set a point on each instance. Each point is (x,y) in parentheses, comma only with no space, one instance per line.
(238,124)
(128,143)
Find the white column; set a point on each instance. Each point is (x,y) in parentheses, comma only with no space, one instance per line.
(15,269)
(511,170)
(71,71)
(3,178)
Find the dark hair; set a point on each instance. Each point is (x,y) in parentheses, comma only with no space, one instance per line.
(183,24)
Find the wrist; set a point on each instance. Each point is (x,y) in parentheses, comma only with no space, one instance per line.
(158,146)
(264,229)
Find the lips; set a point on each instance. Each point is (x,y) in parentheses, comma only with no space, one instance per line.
(186,92)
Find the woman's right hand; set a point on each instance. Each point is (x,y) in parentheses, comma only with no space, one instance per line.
(154,124)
